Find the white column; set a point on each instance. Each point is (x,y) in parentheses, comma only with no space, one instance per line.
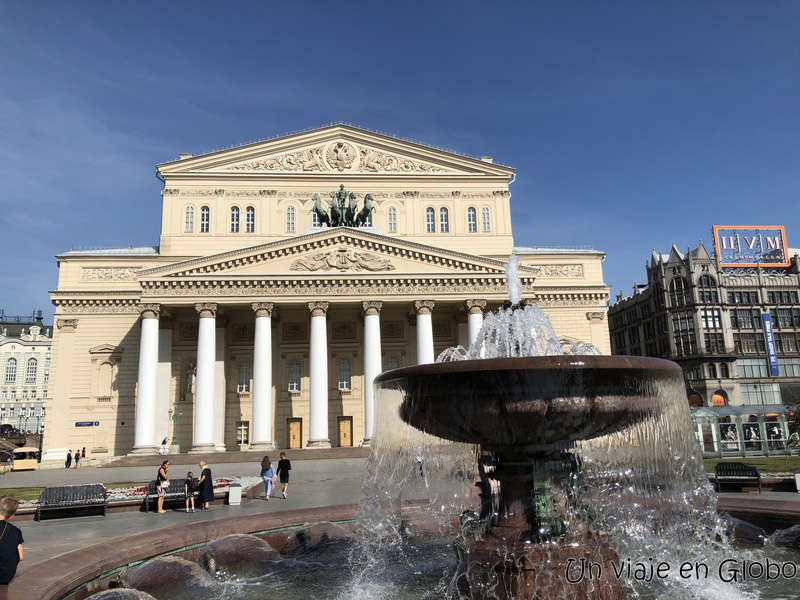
(372,362)
(261,436)
(318,387)
(145,429)
(220,384)
(164,378)
(203,440)
(424,310)
(475,318)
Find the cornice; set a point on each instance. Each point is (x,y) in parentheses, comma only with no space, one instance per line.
(303,244)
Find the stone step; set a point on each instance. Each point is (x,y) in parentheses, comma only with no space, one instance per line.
(212,458)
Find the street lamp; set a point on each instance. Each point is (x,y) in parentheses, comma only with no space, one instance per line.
(41,437)
(175,415)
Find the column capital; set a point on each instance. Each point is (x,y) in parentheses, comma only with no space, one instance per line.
(263,309)
(149,311)
(424,307)
(475,307)
(67,324)
(318,309)
(371,307)
(208,309)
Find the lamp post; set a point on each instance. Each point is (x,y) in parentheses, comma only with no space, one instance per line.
(40,428)
(175,415)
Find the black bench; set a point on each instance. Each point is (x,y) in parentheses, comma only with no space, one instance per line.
(736,472)
(72,497)
(173,492)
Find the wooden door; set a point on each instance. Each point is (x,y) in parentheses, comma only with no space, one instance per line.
(345,427)
(294,433)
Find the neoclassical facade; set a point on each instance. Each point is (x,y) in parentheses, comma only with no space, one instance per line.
(289,273)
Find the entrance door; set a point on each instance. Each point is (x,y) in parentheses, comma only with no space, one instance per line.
(345,427)
(294,433)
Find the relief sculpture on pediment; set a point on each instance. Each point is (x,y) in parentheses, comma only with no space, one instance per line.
(343,259)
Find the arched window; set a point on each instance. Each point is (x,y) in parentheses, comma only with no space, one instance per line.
(245,375)
(723,371)
(315,220)
(486,220)
(250,220)
(707,290)
(472,220)
(712,371)
(344,374)
(392,220)
(11,370)
(290,219)
(205,219)
(31,370)
(234,219)
(444,220)
(188,220)
(678,292)
(430,220)
(295,369)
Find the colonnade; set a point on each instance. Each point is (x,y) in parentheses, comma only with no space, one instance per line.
(208,425)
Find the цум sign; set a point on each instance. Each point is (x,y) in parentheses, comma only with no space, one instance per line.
(751,245)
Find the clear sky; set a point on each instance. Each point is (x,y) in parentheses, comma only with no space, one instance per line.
(631,124)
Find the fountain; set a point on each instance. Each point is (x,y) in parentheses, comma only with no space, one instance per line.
(554,472)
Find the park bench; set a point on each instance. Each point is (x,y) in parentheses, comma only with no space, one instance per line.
(736,472)
(173,492)
(73,498)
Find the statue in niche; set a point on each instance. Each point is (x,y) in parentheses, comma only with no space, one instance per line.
(191,379)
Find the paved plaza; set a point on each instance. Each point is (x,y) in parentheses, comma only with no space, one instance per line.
(317,481)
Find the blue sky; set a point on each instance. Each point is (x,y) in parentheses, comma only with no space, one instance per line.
(631,124)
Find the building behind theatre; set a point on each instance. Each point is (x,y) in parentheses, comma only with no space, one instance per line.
(25,355)
(732,322)
(256,324)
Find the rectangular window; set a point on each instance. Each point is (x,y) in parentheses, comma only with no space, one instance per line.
(746,318)
(486,219)
(711,318)
(683,321)
(294,376)
(715,343)
(782,318)
(752,368)
(245,373)
(242,432)
(789,367)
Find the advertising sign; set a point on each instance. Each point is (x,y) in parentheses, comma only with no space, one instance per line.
(769,337)
(751,245)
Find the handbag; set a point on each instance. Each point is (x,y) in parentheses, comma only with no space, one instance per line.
(165,484)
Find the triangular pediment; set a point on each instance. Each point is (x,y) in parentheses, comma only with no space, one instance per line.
(333,253)
(334,150)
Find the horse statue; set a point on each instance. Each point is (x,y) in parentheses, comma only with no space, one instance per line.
(322,214)
(363,215)
(351,211)
(336,213)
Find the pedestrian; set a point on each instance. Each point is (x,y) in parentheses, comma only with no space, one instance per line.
(83,454)
(284,466)
(162,485)
(205,485)
(189,488)
(68,462)
(11,552)
(163,448)
(267,473)
(77,458)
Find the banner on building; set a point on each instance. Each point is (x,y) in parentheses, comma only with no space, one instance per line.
(751,245)
(769,337)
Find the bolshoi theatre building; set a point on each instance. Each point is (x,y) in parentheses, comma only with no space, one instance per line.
(288,274)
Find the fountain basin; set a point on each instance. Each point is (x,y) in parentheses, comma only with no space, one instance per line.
(528,401)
